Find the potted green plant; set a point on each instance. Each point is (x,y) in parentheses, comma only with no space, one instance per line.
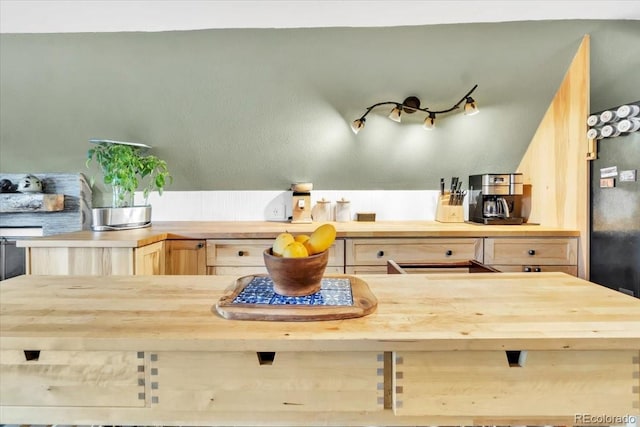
(126,167)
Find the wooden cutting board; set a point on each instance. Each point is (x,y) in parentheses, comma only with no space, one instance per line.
(252,298)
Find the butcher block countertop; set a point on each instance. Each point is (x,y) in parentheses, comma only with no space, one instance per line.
(160,231)
(438,312)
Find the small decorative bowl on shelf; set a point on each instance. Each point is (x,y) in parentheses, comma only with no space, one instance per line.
(296,276)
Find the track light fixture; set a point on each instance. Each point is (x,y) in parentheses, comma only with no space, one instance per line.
(412,104)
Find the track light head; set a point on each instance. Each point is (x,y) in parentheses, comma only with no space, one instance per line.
(396,113)
(470,107)
(357,125)
(430,122)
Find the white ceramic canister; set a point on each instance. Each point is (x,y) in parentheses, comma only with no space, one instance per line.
(343,210)
(321,212)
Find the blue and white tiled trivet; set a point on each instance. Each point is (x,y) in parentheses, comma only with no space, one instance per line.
(333,292)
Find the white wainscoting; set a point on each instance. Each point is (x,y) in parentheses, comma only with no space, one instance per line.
(258,205)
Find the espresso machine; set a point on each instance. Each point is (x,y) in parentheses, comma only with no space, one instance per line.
(495,198)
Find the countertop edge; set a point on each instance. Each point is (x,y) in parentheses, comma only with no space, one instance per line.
(267,230)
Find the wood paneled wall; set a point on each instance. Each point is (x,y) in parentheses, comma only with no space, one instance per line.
(555,164)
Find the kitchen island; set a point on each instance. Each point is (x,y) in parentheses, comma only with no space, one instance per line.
(441,349)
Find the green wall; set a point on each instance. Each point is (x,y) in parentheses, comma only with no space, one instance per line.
(257,109)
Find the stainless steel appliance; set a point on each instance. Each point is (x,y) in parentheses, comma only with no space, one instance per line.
(615,214)
(495,198)
(11,259)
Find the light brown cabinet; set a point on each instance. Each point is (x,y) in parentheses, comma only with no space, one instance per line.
(544,254)
(239,257)
(369,256)
(150,259)
(185,257)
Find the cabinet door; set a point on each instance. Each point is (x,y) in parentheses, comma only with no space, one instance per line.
(150,260)
(185,257)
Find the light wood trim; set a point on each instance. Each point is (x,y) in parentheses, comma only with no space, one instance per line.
(555,164)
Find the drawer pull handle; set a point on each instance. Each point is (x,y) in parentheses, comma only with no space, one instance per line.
(241,253)
(449,252)
(537,269)
(266,357)
(32,355)
(380,254)
(516,358)
(527,269)
(200,245)
(532,252)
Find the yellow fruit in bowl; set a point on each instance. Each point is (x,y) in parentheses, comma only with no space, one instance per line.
(295,250)
(281,242)
(321,239)
(301,238)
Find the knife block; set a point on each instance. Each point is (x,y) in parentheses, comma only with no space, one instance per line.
(446,212)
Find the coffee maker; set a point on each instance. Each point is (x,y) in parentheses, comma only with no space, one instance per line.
(495,198)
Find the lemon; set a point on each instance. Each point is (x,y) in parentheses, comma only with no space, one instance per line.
(281,242)
(301,238)
(321,239)
(295,250)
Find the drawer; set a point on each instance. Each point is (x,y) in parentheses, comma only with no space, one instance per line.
(569,269)
(255,382)
(71,378)
(378,251)
(530,251)
(238,253)
(533,384)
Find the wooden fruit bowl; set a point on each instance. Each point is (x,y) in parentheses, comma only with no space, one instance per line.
(296,276)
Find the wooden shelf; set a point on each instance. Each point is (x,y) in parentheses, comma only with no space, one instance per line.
(31,202)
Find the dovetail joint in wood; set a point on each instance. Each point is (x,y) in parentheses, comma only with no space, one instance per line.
(399,389)
(399,375)
(380,372)
(399,360)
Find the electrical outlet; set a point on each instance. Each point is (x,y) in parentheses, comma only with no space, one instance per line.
(276,212)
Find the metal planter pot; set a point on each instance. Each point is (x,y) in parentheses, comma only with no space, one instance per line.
(111,219)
